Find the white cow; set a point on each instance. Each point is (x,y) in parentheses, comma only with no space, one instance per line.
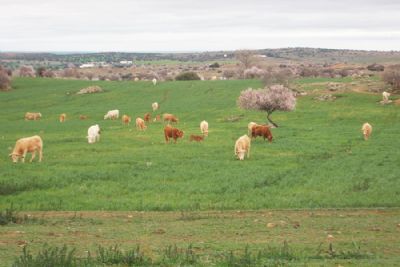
(204,128)
(93,134)
(385,97)
(154,106)
(112,114)
(154,81)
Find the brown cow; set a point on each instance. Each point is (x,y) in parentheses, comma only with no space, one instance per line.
(170,118)
(147,117)
(83,117)
(170,132)
(261,130)
(197,138)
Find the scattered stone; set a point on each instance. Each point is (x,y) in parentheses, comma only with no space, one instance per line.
(330,238)
(90,90)
(271,225)
(335,86)
(159,231)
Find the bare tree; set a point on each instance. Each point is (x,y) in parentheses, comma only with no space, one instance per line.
(246,57)
(269,99)
(391,75)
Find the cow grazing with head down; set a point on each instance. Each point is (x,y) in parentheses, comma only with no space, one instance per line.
(83,117)
(126,119)
(197,138)
(33,116)
(25,145)
(170,132)
(93,134)
(140,125)
(147,117)
(170,118)
(242,146)
(261,130)
(367,130)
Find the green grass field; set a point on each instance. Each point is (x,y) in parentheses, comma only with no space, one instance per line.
(216,204)
(317,159)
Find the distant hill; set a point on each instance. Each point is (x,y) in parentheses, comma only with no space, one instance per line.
(297,54)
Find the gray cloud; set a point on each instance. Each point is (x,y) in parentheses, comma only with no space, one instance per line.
(157,25)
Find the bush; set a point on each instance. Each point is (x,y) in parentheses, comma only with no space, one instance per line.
(187,76)
(375,67)
(392,76)
(215,65)
(26,71)
(5,81)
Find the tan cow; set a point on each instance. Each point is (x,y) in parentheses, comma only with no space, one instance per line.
(242,146)
(63,117)
(126,119)
(25,145)
(33,116)
(140,125)
(170,118)
(367,130)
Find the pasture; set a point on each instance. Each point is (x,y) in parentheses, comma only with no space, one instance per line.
(318,158)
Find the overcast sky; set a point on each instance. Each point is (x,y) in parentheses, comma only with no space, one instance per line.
(200,25)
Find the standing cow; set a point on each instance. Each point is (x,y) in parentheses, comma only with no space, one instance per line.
(261,130)
(170,132)
(366,130)
(204,128)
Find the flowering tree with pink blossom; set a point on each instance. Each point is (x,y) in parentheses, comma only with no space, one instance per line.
(269,99)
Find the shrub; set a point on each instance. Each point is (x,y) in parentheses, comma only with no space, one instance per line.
(253,73)
(187,76)
(392,76)
(215,65)
(5,81)
(375,67)
(26,71)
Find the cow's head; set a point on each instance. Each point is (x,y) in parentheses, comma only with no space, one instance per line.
(14,157)
(179,133)
(240,154)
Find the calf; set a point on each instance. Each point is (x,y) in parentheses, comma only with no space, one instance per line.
(147,117)
(197,138)
(170,132)
(28,144)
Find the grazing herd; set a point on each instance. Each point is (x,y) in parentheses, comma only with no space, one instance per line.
(242,145)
